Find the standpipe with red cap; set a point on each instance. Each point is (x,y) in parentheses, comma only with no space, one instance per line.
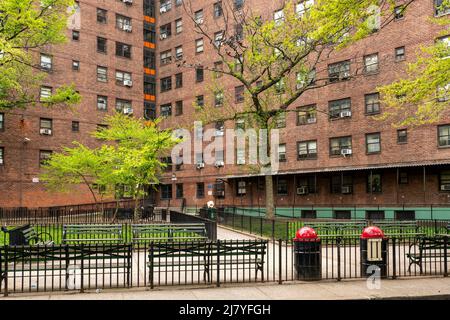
(373,248)
(306,233)
(372,232)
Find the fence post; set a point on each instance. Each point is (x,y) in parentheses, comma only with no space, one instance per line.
(152,250)
(273,229)
(445,256)
(338,245)
(260,226)
(250,224)
(5,277)
(280,274)
(218,264)
(82,269)
(394,260)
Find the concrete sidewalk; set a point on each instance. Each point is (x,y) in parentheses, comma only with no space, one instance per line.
(430,288)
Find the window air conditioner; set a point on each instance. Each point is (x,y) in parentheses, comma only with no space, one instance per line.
(346,189)
(46,132)
(302,190)
(127,28)
(345,114)
(346,152)
(128,83)
(219,164)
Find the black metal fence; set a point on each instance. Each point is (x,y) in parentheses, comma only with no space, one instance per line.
(211,225)
(25,269)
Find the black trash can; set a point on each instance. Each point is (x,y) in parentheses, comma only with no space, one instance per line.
(212,213)
(373,248)
(307,255)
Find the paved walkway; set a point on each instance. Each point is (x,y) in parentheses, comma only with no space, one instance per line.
(438,288)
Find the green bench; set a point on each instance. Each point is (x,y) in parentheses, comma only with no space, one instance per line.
(27,235)
(26,262)
(207,256)
(168,232)
(427,248)
(332,228)
(92,233)
(397,228)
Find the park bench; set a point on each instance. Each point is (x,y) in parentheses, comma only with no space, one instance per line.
(168,232)
(56,262)
(27,235)
(333,228)
(207,256)
(427,248)
(92,233)
(398,228)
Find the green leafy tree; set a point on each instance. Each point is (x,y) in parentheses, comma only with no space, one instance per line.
(276,61)
(129,157)
(423,96)
(25,27)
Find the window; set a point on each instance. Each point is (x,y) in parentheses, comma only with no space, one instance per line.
(373,143)
(149,59)
(341,184)
(123,78)
(239,32)
(278,16)
(46,62)
(282,152)
(123,23)
(306,185)
(75,126)
(45,126)
(440,8)
(241,189)
(340,108)
(178,80)
(179,53)
(280,86)
(373,183)
(165,5)
(240,124)
(281,120)
(445,43)
(166,57)
(307,150)
(238,4)
(240,156)
(402,136)
(2,156)
(198,17)
(342,214)
(75,35)
(372,102)
(102,74)
(166,191)
(407,215)
(444,181)
(199,158)
(220,128)
(45,93)
(218,10)
(399,12)
(200,191)
(178,26)
(149,35)
(200,101)
(341,146)
(371,63)
(218,68)
(165,31)
(400,54)
(302,7)
(44,156)
(218,38)
(282,187)
(167,161)
(123,50)
(178,108)
(403,177)
(149,111)
(218,98)
(166,110)
(444,135)
(339,71)
(179,190)
(102,103)
(199,75)
(2,121)
(239,94)
(309,214)
(374,215)
(306,115)
(305,79)
(124,106)
(166,84)
(101,15)
(101,45)
(75,65)
(199,46)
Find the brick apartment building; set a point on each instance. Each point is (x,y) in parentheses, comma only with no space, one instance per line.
(387,166)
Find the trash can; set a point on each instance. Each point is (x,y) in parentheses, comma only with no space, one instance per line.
(212,213)
(373,248)
(307,255)
(16,235)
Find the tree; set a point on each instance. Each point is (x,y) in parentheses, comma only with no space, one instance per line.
(275,62)
(130,157)
(423,96)
(25,27)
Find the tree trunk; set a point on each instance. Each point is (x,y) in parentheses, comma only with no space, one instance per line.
(270,208)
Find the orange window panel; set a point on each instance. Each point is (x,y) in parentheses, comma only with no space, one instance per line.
(149,97)
(149,19)
(150,71)
(149,45)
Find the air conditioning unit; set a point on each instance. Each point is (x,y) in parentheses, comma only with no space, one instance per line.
(127,110)
(127,28)
(219,164)
(345,114)
(199,21)
(200,165)
(127,1)
(311,120)
(346,152)
(445,187)
(162,9)
(302,190)
(219,133)
(1,161)
(163,36)
(346,189)
(241,161)
(46,132)
(128,83)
